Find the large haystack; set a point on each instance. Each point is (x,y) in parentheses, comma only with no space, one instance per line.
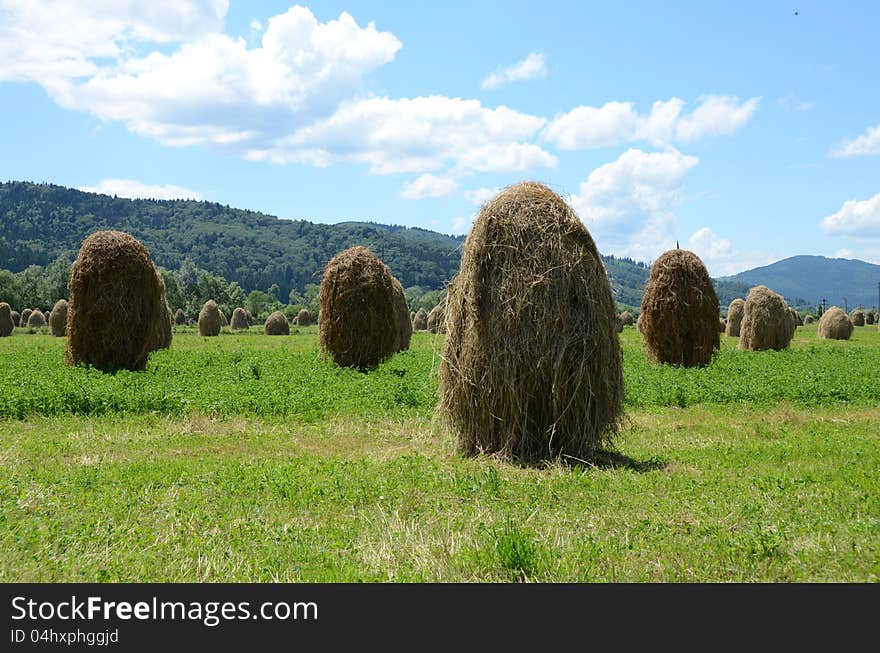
(858,317)
(115,307)
(239,321)
(680,311)
(767,322)
(179,317)
(6,324)
(734,317)
(58,319)
(835,324)
(357,316)
(303,318)
(25,316)
(627,319)
(531,368)
(404,325)
(209,319)
(36,320)
(276,325)
(436,321)
(420,321)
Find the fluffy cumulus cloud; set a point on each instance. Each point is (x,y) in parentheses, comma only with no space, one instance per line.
(480,196)
(857,218)
(136,189)
(532,67)
(614,123)
(868,144)
(428,185)
(628,204)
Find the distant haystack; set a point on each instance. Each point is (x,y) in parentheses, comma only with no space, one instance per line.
(626,318)
(767,322)
(404,325)
(179,317)
(303,318)
(239,321)
(858,317)
(209,319)
(869,317)
(25,316)
(276,325)
(809,319)
(58,319)
(16,318)
(722,325)
(165,324)
(835,324)
(223,321)
(6,323)
(436,321)
(36,319)
(420,321)
(734,317)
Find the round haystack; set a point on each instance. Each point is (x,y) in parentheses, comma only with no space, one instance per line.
(357,317)
(404,325)
(767,322)
(858,317)
(36,319)
(58,319)
(16,318)
(835,324)
(179,317)
(420,321)
(734,317)
(276,325)
(627,319)
(869,317)
(25,315)
(809,319)
(6,324)
(239,321)
(209,319)
(116,303)
(303,318)
(531,367)
(436,321)
(250,318)
(680,311)
(722,325)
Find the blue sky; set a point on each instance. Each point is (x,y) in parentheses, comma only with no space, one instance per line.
(743,131)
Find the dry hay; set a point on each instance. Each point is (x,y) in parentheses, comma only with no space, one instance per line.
(858,317)
(223,321)
(116,303)
(767,322)
(58,319)
(734,317)
(420,321)
(436,321)
(209,319)
(165,333)
(722,325)
(16,318)
(680,311)
(250,318)
(531,368)
(404,325)
(36,320)
(6,323)
(639,324)
(179,317)
(239,321)
(276,325)
(303,318)
(25,315)
(835,324)
(357,316)
(869,317)
(626,318)
(795,319)
(809,319)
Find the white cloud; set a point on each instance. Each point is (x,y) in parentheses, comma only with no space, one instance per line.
(791,103)
(256,25)
(428,185)
(628,204)
(532,67)
(136,189)
(480,196)
(461,225)
(858,218)
(586,127)
(868,144)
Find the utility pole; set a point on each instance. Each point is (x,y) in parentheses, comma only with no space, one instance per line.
(845,306)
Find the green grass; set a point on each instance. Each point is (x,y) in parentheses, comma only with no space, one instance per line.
(304,472)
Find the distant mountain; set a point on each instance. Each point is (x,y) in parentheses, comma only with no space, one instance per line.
(809,279)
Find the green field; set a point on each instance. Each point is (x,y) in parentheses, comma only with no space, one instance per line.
(249,458)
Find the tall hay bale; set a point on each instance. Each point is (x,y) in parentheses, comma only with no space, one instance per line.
(858,317)
(420,321)
(6,324)
(276,325)
(531,367)
(179,317)
(25,315)
(680,311)
(36,320)
(869,317)
(16,318)
(734,317)
(209,319)
(303,318)
(58,319)
(835,324)
(436,321)
(766,322)
(115,308)
(357,316)
(239,321)
(627,319)
(809,319)
(404,326)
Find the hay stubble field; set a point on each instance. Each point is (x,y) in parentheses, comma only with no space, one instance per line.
(249,458)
